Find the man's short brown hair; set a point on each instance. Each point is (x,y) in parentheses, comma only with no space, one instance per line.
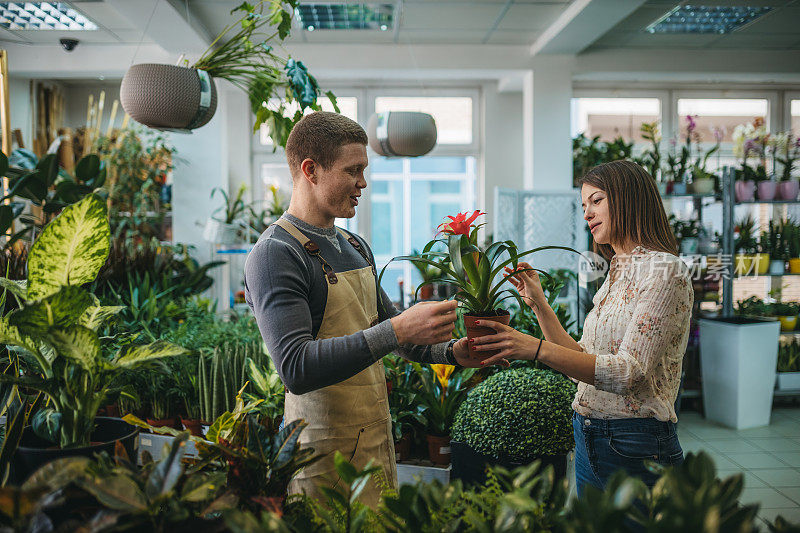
(319,136)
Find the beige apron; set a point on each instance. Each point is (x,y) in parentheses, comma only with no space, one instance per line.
(351,416)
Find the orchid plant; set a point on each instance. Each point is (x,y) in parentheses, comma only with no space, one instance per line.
(476,271)
(750,140)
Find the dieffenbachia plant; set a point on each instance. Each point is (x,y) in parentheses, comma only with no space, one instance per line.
(58,321)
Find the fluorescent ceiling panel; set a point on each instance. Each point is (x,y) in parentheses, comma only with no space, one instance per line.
(349,16)
(42,16)
(691,18)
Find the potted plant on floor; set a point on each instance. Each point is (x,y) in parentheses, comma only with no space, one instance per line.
(441,390)
(247,53)
(57,327)
(511,419)
(407,414)
(476,271)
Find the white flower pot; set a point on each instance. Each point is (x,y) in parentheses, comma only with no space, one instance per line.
(788,381)
(220,232)
(776,266)
(738,357)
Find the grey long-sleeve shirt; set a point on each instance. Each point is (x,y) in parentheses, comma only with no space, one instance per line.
(286,289)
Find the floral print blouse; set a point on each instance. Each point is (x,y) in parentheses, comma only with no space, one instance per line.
(638,329)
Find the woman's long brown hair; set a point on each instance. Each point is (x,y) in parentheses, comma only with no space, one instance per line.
(636,210)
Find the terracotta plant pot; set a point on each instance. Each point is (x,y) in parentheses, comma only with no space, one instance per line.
(439,449)
(425,292)
(193,426)
(703,186)
(794,265)
(761,264)
(767,190)
(402,448)
(473,331)
(788,323)
(788,190)
(745,190)
(168,96)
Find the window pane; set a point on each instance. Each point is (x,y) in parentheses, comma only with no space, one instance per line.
(428,210)
(453,187)
(387,221)
(720,113)
(613,117)
(389,282)
(348,106)
(450,165)
(453,114)
(795,107)
(386,165)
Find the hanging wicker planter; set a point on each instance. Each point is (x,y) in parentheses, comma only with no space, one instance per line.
(168,97)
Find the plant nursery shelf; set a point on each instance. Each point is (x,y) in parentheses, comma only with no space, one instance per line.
(714,196)
(756,202)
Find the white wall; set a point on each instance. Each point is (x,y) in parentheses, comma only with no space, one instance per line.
(76,102)
(21,111)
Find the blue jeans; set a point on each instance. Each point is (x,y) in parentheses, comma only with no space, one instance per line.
(604,446)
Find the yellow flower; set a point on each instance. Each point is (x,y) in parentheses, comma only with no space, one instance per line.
(443,374)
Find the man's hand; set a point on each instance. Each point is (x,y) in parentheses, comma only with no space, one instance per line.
(461,353)
(426,323)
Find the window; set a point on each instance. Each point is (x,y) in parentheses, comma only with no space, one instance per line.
(795,120)
(409,199)
(453,114)
(348,106)
(613,117)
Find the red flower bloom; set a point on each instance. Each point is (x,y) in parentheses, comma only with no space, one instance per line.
(459,224)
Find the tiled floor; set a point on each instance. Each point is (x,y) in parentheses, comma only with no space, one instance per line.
(768,456)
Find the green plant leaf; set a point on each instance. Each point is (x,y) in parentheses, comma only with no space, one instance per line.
(58,310)
(117,491)
(200,487)
(97,315)
(58,473)
(77,343)
(87,168)
(71,249)
(133,355)
(18,288)
(46,423)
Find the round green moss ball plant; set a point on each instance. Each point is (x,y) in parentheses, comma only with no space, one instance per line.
(518,414)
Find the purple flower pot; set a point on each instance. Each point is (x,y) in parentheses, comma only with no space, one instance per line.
(788,190)
(745,190)
(766,190)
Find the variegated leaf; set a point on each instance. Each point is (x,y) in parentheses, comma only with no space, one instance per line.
(59,310)
(18,288)
(95,316)
(11,336)
(133,355)
(71,249)
(77,343)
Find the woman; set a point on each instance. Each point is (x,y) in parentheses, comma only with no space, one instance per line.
(628,362)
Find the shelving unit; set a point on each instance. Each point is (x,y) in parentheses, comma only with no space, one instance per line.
(233,255)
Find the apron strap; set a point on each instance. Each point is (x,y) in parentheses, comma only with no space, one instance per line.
(310,247)
(360,249)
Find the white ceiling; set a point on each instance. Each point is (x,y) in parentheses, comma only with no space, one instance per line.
(777,30)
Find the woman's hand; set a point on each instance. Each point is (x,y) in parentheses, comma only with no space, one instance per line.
(461,353)
(511,343)
(527,284)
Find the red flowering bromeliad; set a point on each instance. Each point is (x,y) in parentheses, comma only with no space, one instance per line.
(477,271)
(460,224)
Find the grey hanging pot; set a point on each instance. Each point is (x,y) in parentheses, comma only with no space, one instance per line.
(168,97)
(402,133)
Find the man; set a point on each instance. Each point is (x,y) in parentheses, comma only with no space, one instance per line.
(326,323)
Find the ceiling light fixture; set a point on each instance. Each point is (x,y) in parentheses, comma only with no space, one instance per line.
(43,16)
(346,16)
(690,18)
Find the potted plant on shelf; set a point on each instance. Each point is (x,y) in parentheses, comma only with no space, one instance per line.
(686,233)
(745,247)
(791,233)
(774,243)
(513,418)
(226,222)
(247,54)
(651,157)
(677,165)
(476,271)
(787,313)
(789,149)
(441,390)
(749,139)
(789,365)
(703,181)
(57,327)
